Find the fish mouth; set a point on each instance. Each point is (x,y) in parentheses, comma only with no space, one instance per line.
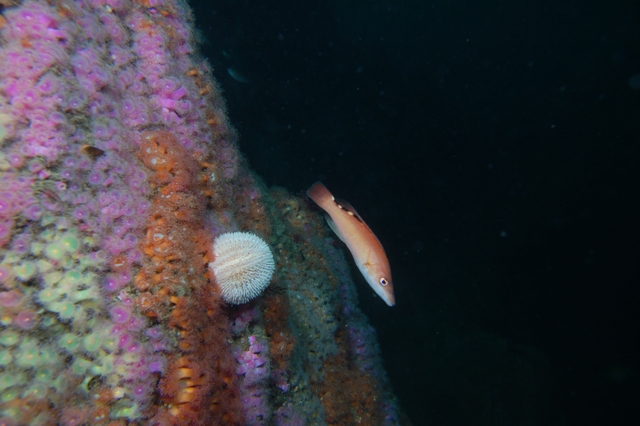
(390,300)
(388,297)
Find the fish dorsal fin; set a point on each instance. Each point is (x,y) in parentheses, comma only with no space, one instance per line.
(333,226)
(348,208)
(342,204)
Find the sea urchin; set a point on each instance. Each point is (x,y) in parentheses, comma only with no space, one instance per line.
(243,266)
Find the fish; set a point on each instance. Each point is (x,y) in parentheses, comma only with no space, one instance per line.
(363,244)
(91,151)
(237,76)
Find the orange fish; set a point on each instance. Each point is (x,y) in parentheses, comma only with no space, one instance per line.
(362,242)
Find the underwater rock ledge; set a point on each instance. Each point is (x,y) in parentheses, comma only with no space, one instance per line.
(118,169)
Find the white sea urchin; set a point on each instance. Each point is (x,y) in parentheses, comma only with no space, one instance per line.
(243,266)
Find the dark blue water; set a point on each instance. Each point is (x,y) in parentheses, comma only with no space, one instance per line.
(493,147)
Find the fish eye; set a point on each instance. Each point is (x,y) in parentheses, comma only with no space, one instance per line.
(383,281)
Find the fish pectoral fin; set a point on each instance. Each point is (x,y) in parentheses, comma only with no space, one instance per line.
(333,226)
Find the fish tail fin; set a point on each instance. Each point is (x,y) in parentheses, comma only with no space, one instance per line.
(320,194)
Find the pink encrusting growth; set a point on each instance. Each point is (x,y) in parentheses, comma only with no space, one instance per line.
(78,82)
(253,369)
(118,171)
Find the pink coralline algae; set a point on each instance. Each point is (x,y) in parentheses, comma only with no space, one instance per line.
(118,170)
(253,369)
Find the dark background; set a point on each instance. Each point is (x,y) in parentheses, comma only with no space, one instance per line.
(493,146)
